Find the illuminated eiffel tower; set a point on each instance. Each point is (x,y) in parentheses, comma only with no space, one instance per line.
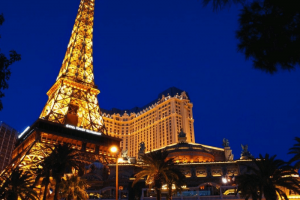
(71,114)
(73,98)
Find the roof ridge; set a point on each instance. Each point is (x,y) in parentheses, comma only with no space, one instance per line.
(172,91)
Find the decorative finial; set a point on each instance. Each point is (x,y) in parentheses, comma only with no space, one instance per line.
(245,153)
(225,142)
(182,136)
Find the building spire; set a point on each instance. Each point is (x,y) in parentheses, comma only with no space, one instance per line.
(73,97)
(78,62)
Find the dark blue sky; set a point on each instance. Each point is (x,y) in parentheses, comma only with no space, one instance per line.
(143,47)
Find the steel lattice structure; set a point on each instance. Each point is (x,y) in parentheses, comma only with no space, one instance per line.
(73,97)
(71,114)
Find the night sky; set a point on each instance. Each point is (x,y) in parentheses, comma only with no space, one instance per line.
(143,47)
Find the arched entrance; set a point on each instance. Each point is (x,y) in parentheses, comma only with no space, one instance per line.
(208,189)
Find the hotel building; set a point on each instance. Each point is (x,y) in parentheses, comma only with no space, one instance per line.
(157,124)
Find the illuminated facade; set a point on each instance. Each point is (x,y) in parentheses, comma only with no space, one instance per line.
(72,115)
(157,124)
(204,167)
(73,97)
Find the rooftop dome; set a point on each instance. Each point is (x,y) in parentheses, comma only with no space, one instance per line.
(184,152)
(193,153)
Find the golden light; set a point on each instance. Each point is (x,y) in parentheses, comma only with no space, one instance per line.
(61,94)
(113,149)
(294,197)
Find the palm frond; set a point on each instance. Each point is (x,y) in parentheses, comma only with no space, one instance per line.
(268,175)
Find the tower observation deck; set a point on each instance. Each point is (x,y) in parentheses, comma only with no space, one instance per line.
(73,97)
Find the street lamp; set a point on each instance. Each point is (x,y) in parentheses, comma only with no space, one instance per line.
(115,149)
(224,180)
(227,179)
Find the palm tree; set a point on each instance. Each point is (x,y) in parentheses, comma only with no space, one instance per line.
(45,172)
(267,176)
(61,158)
(296,150)
(247,186)
(18,185)
(177,178)
(269,33)
(157,168)
(72,187)
(64,158)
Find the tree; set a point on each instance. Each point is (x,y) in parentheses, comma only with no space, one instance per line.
(72,187)
(248,188)
(269,34)
(157,168)
(176,178)
(18,185)
(64,158)
(4,67)
(296,150)
(268,176)
(45,172)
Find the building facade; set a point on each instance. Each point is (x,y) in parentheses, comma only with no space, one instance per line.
(8,137)
(203,166)
(156,124)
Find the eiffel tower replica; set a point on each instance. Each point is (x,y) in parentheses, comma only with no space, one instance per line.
(71,114)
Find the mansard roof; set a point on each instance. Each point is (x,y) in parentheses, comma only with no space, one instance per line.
(172,91)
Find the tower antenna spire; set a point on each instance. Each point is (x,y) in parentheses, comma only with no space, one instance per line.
(73,97)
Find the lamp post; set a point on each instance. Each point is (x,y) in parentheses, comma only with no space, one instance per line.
(115,149)
(228,179)
(225,179)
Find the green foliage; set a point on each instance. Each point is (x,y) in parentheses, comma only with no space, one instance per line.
(45,172)
(18,185)
(269,34)
(4,67)
(158,169)
(61,159)
(72,187)
(296,150)
(177,178)
(267,177)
